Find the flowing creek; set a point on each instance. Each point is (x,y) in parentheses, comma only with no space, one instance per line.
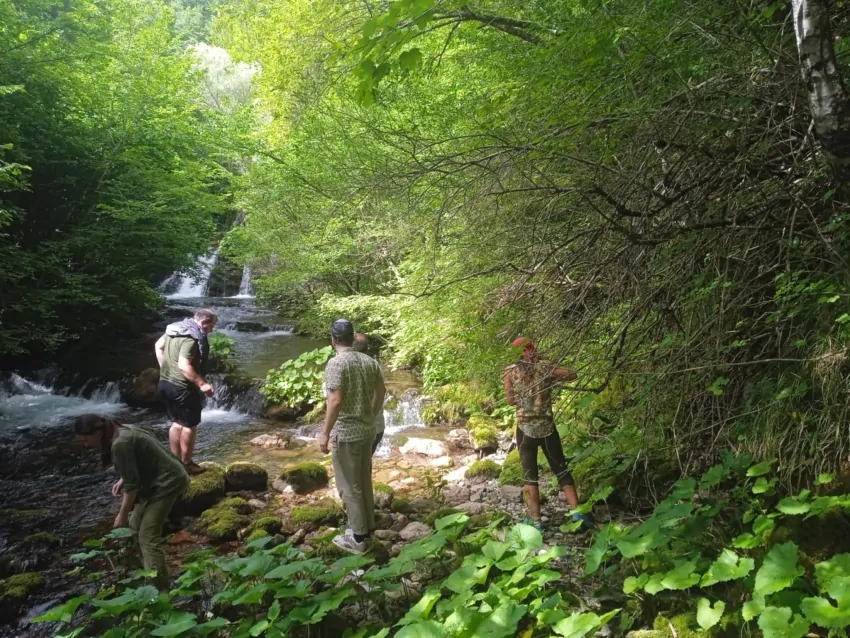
(45,477)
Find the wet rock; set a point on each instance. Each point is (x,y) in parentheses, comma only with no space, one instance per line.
(401,505)
(298,537)
(511,493)
(442,462)
(279,441)
(459,440)
(257,504)
(304,478)
(414,531)
(144,392)
(471,508)
(205,490)
(386,534)
(425,447)
(246,476)
(455,494)
(400,523)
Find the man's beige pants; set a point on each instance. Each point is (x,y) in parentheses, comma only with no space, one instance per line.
(147,522)
(352,463)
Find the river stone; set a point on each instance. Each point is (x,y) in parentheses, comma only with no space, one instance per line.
(205,490)
(145,389)
(456,494)
(442,462)
(458,439)
(278,441)
(425,447)
(246,476)
(386,534)
(511,493)
(257,504)
(414,531)
(471,508)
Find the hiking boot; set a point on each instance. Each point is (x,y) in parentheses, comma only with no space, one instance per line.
(347,543)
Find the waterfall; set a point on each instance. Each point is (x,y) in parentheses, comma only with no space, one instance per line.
(246,288)
(188,285)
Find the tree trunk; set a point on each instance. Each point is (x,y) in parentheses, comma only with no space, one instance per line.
(828,98)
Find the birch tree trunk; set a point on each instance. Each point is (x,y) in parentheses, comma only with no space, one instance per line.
(828,100)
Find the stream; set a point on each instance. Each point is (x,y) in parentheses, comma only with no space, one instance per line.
(49,484)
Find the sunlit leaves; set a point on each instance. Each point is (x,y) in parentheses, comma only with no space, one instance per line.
(779,570)
(709,614)
(728,566)
(782,623)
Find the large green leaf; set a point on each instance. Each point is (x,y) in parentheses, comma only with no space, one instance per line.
(792,506)
(178,623)
(833,576)
(526,536)
(579,625)
(709,615)
(63,613)
(421,609)
(465,578)
(728,566)
(681,577)
(822,613)
(752,608)
(779,569)
(777,622)
(422,629)
(759,469)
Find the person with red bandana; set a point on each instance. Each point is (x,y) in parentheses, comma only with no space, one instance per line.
(529,384)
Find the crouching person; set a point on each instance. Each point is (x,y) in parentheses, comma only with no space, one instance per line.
(151,480)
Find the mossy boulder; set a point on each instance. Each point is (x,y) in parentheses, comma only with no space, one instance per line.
(679,626)
(483,469)
(257,533)
(271,525)
(306,477)
(18,587)
(511,473)
(41,540)
(205,490)
(223,522)
(484,431)
(324,512)
(384,495)
(401,505)
(246,476)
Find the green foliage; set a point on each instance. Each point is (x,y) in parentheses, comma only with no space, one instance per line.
(721,535)
(222,351)
(382,488)
(501,582)
(484,431)
(511,473)
(485,467)
(223,522)
(298,381)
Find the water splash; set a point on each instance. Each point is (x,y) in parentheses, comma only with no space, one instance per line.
(188,286)
(246,287)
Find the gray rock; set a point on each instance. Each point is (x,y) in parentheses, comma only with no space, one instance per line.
(425,447)
(442,462)
(257,504)
(395,550)
(511,493)
(383,500)
(422,504)
(458,440)
(471,508)
(280,441)
(414,531)
(386,534)
(455,494)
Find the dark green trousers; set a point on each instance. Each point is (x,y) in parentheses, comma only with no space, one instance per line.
(147,522)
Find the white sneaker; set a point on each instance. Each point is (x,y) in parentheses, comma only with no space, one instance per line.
(347,543)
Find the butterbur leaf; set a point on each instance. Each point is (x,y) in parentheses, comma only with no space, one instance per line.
(792,507)
(824,479)
(120,532)
(451,519)
(63,613)
(752,608)
(421,609)
(681,577)
(714,476)
(211,625)
(834,578)
(727,567)
(746,541)
(464,578)
(759,469)
(653,585)
(762,525)
(762,485)
(822,613)
(526,536)
(683,488)
(422,629)
(579,625)
(179,622)
(777,622)
(779,569)
(709,615)
(632,584)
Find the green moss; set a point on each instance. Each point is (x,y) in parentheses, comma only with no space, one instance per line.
(306,477)
(22,585)
(257,533)
(431,414)
(269,524)
(323,513)
(484,431)
(316,414)
(382,488)
(440,513)
(401,505)
(684,626)
(223,522)
(511,473)
(457,401)
(41,539)
(204,491)
(246,476)
(233,502)
(485,468)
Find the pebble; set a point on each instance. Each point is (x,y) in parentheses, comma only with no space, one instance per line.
(257,504)
(471,508)
(512,493)
(386,534)
(443,461)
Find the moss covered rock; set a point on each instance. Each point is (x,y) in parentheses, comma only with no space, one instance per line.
(401,505)
(246,476)
(484,432)
(19,586)
(384,495)
(223,522)
(485,469)
(511,473)
(41,540)
(271,525)
(306,477)
(257,533)
(205,490)
(23,518)
(325,512)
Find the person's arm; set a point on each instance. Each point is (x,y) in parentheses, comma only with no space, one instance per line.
(564,374)
(159,350)
(331,415)
(124,460)
(189,353)
(509,387)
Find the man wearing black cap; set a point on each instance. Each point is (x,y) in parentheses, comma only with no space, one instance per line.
(355,395)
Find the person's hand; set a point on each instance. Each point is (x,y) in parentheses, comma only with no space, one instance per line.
(207,389)
(120,520)
(324,439)
(116,489)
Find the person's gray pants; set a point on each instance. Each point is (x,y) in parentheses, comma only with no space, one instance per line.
(352,463)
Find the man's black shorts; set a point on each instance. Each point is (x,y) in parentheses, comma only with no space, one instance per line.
(182,405)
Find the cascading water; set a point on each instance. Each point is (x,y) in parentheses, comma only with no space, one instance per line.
(246,287)
(190,286)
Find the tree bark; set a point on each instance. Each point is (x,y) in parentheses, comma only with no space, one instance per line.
(828,99)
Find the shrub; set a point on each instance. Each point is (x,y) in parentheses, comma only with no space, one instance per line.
(511,473)
(222,351)
(485,468)
(298,381)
